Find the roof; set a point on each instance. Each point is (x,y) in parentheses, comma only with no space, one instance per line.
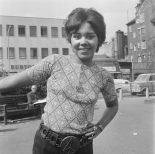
(147,74)
(133,21)
(103,57)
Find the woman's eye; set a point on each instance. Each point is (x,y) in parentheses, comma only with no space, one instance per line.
(77,36)
(90,36)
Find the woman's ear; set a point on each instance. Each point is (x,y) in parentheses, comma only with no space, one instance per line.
(97,48)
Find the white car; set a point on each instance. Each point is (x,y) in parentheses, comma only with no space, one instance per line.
(142,82)
(122,84)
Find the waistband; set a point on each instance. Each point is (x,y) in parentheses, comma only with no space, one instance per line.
(56,139)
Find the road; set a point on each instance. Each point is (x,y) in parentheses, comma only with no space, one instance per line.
(131,131)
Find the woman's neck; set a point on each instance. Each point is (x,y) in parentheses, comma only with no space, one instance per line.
(75,59)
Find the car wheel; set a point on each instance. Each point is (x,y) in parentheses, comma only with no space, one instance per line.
(133,93)
(144,92)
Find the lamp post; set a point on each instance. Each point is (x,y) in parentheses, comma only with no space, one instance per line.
(8,51)
(132,69)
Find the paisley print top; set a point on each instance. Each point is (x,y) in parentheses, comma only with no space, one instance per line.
(72,91)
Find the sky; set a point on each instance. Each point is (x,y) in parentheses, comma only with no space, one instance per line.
(116,12)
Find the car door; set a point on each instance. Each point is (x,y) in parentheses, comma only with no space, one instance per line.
(153,83)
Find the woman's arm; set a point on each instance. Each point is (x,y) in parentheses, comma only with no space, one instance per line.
(36,74)
(109,93)
(15,81)
(108,114)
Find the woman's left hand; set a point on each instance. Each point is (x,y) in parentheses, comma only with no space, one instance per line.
(92,132)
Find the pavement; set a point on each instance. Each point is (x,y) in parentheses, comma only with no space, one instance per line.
(130,132)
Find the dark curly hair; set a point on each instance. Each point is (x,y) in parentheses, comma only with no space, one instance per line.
(81,15)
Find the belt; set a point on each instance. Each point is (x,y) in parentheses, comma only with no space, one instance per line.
(68,143)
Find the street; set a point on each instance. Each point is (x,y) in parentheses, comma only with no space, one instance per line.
(131,131)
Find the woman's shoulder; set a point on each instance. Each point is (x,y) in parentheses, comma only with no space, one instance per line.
(103,71)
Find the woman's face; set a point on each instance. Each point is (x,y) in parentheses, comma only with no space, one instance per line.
(84,42)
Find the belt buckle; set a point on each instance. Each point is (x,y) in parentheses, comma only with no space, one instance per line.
(44,133)
(52,138)
(70,145)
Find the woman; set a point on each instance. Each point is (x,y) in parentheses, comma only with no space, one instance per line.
(73,85)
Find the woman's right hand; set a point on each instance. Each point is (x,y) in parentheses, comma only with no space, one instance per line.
(92,131)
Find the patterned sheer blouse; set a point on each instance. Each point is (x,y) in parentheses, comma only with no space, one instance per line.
(72,91)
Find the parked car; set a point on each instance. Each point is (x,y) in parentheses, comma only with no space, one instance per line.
(122,84)
(142,82)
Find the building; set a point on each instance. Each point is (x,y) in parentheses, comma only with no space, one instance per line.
(120,52)
(106,49)
(26,40)
(120,45)
(141,38)
(110,64)
(121,40)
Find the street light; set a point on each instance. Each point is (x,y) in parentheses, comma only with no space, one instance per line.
(8,51)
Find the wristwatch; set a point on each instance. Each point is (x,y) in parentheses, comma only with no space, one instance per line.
(100,127)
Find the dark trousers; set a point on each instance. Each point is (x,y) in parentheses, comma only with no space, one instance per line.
(41,146)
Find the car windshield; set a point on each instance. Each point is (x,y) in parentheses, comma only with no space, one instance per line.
(142,77)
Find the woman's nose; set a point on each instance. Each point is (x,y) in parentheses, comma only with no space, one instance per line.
(84,41)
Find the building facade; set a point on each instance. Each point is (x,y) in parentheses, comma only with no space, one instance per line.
(141,38)
(24,41)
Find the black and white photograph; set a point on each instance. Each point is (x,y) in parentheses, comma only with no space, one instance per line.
(77,76)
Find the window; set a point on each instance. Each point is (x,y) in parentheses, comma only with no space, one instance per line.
(11,53)
(44,31)
(135,48)
(55,51)
(22,53)
(33,53)
(149,57)
(138,45)
(10,30)
(130,29)
(152,78)
(63,32)
(139,33)
(0,30)
(134,35)
(143,44)
(21,30)
(142,18)
(33,31)
(44,52)
(143,31)
(131,47)
(65,51)
(21,67)
(143,57)
(153,43)
(1,52)
(12,67)
(54,32)
(131,58)
(139,59)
